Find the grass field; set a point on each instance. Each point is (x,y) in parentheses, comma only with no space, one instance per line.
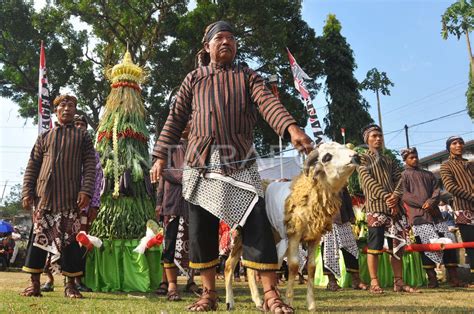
(440,300)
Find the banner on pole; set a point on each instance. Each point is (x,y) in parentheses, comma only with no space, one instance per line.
(299,76)
(44,104)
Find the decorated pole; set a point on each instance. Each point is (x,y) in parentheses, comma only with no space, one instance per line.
(127,200)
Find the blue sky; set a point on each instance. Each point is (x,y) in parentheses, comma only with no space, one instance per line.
(400,37)
(403,39)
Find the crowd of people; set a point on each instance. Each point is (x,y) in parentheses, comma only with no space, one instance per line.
(208,132)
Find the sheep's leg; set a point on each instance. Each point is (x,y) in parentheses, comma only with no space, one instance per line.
(230,264)
(292,255)
(251,274)
(311,270)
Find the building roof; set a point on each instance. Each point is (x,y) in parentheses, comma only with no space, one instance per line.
(444,154)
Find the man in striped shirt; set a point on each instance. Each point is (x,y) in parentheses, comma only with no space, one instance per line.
(379,176)
(222,99)
(52,187)
(457,174)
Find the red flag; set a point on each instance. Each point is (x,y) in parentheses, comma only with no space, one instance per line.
(343,132)
(299,76)
(44,105)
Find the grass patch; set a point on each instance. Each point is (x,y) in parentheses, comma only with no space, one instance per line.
(440,300)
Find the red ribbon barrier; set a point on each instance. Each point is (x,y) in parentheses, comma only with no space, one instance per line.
(432,247)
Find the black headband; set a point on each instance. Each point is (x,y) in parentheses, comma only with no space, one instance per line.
(216,27)
(366,131)
(452,139)
(407,151)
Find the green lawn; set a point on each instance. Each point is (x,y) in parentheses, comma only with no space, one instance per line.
(440,300)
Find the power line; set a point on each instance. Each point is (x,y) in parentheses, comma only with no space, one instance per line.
(431,141)
(426,97)
(427,121)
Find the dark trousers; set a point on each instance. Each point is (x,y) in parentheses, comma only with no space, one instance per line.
(71,261)
(171,234)
(450,258)
(467,235)
(259,250)
(352,264)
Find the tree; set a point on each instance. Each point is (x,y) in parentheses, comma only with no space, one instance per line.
(347,108)
(164,37)
(458,20)
(378,82)
(12,203)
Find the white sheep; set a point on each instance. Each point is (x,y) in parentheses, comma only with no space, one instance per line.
(301,211)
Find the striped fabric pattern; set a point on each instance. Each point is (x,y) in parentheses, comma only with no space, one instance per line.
(222,104)
(379,176)
(58,161)
(457,175)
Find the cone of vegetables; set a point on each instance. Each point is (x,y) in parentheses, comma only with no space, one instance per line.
(122,142)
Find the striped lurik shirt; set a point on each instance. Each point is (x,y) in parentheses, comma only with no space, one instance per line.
(457,175)
(379,177)
(222,104)
(58,161)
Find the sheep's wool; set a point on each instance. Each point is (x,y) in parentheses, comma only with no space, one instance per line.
(230,198)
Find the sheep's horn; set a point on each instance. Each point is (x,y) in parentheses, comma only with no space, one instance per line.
(310,160)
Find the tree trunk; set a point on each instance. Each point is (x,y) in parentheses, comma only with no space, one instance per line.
(471,58)
(380,112)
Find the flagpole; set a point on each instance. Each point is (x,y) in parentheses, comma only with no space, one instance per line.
(273,80)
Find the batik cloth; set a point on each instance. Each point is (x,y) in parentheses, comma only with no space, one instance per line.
(429,232)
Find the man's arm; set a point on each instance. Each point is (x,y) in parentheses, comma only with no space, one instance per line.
(450,184)
(175,123)
(31,173)
(435,196)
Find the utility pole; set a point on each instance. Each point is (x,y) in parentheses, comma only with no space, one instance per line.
(406,136)
(3,193)
(273,80)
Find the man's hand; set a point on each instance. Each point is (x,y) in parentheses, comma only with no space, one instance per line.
(156,170)
(27,202)
(392,201)
(83,200)
(299,139)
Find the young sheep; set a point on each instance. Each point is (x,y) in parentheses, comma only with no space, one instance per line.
(301,211)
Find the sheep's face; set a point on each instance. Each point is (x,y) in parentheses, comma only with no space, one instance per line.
(333,163)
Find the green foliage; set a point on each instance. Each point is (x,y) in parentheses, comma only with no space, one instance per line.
(470,95)
(347,108)
(12,203)
(376,81)
(161,35)
(458,19)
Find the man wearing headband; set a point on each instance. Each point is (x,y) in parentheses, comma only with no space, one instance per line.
(457,174)
(421,194)
(52,188)
(379,176)
(222,100)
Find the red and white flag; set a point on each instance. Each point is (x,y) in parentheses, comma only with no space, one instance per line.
(299,76)
(44,104)
(343,132)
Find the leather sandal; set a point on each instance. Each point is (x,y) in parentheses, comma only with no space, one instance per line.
(193,288)
(162,288)
(275,304)
(173,295)
(47,287)
(205,303)
(34,290)
(70,291)
(333,286)
(399,286)
(375,289)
